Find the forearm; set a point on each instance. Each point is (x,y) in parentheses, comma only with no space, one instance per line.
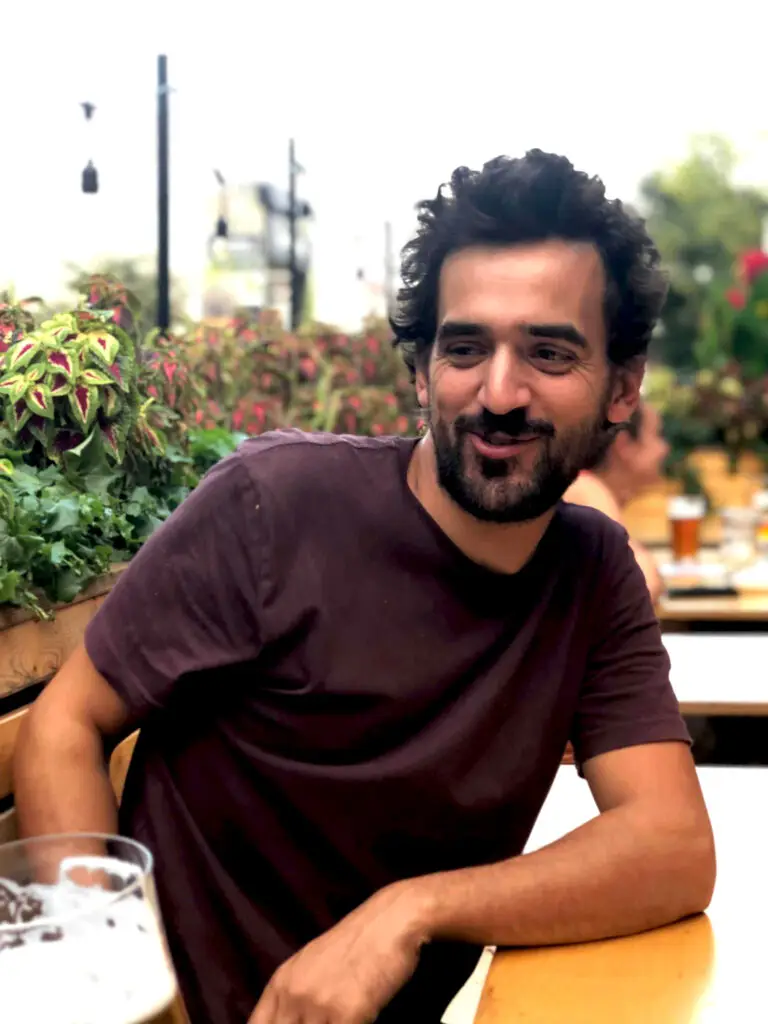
(61,782)
(615,875)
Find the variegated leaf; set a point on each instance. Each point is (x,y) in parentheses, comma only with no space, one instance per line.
(20,413)
(62,362)
(94,378)
(6,467)
(152,440)
(104,346)
(117,375)
(110,401)
(21,354)
(83,404)
(113,442)
(13,386)
(58,384)
(40,429)
(34,373)
(40,401)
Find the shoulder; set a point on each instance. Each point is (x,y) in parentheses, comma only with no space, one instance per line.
(592,533)
(296,464)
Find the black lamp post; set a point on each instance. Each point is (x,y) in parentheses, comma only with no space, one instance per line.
(90,183)
(163,272)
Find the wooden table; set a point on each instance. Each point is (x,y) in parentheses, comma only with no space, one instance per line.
(720,673)
(682,611)
(708,970)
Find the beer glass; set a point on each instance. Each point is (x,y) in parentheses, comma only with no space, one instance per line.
(81,941)
(686,514)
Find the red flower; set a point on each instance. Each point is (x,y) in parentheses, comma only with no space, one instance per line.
(753,264)
(736,298)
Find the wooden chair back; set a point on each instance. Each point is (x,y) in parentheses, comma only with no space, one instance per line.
(118,770)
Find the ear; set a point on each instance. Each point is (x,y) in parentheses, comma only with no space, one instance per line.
(422,388)
(625,391)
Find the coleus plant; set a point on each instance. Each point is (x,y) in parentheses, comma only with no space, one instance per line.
(72,382)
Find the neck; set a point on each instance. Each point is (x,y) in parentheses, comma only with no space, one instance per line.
(612,478)
(502,547)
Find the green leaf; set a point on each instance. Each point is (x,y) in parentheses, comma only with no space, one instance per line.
(65,514)
(59,553)
(6,467)
(9,584)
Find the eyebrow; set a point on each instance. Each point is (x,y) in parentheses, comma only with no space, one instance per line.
(562,332)
(460,329)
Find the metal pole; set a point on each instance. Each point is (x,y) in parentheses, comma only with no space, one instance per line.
(163,275)
(295,311)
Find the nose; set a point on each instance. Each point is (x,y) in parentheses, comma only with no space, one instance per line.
(504,387)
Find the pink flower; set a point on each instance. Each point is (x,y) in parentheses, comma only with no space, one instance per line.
(753,264)
(736,298)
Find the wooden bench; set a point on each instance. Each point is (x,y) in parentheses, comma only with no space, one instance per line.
(118,770)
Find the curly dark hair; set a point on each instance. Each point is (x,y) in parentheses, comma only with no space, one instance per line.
(532,198)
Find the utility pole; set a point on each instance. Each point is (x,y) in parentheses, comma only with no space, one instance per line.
(163,272)
(292,217)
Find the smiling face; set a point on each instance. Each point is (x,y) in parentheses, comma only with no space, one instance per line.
(519,388)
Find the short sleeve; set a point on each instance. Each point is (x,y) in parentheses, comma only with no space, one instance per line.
(189,600)
(626,698)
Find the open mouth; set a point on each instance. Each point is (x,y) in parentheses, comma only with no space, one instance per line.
(502,446)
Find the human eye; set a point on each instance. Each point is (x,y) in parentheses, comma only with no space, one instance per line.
(464,352)
(553,358)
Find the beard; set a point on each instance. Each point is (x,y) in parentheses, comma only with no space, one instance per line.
(504,490)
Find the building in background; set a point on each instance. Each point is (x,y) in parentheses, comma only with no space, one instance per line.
(248,255)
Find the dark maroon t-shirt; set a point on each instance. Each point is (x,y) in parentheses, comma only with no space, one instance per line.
(332,697)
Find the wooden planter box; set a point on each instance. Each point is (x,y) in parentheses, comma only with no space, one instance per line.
(32,651)
(646,517)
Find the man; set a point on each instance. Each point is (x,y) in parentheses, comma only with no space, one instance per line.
(356,662)
(631,464)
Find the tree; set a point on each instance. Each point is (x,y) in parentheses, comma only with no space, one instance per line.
(701,221)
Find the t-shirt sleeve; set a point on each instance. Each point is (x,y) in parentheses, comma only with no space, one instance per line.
(189,600)
(626,698)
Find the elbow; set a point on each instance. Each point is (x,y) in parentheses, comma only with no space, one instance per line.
(699,871)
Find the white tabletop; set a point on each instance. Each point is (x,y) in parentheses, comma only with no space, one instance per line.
(719,673)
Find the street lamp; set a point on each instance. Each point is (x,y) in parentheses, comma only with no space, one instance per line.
(90,183)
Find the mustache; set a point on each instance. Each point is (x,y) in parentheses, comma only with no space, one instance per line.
(510,424)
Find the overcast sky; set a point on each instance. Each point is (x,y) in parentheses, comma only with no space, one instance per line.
(384,100)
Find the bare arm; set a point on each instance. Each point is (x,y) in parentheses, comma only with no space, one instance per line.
(61,779)
(646,860)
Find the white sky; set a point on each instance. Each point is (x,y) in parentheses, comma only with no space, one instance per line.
(384,100)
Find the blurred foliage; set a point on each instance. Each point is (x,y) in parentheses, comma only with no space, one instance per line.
(137,278)
(255,376)
(701,220)
(104,429)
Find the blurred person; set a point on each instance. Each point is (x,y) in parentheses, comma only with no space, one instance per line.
(356,662)
(631,464)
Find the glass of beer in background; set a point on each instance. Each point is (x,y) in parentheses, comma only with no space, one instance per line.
(686,514)
(81,941)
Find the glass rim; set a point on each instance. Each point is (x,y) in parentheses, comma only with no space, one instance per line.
(145,870)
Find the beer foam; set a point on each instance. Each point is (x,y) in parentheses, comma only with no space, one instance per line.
(81,955)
